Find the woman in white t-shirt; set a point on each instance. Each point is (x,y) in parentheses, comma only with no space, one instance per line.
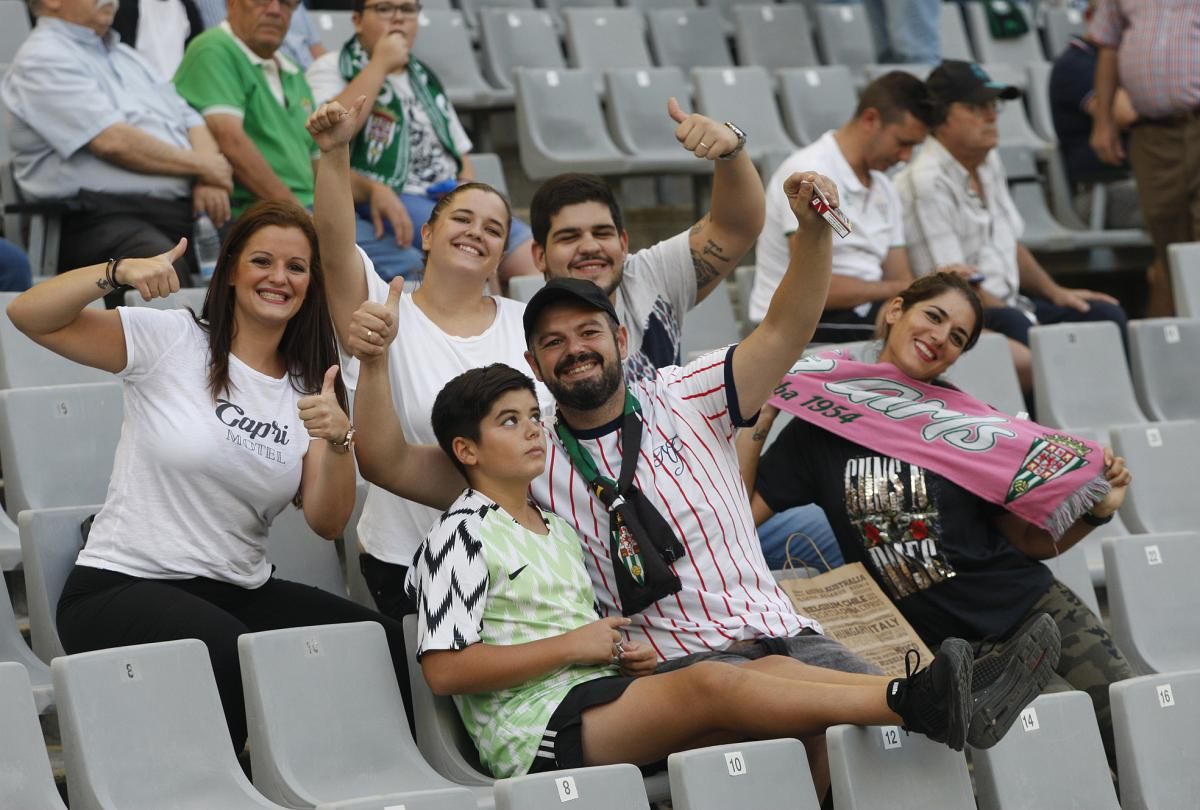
(228,418)
(449,325)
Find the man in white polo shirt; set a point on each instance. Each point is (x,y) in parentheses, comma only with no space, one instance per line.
(870,266)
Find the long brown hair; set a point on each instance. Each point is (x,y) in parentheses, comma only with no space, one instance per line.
(307,345)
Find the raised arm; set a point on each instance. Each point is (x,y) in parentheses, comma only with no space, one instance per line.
(421,473)
(1037,543)
(737,208)
(333,127)
(771,349)
(55,313)
(327,485)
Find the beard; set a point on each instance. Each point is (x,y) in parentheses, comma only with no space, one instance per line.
(590,394)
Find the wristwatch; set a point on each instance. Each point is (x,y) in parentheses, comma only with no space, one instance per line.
(741,144)
(1096,520)
(345,444)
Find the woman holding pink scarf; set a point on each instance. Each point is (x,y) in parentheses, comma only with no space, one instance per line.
(948,503)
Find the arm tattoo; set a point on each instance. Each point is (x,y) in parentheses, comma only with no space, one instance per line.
(703,261)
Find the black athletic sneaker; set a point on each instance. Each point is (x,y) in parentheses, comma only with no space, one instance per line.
(1009,677)
(936,701)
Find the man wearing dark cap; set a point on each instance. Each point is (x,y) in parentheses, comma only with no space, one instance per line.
(644,471)
(958,211)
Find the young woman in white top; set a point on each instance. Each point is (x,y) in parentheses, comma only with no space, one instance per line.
(229,416)
(449,325)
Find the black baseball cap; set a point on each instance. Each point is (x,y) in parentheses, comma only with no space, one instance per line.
(956,80)
(576,290)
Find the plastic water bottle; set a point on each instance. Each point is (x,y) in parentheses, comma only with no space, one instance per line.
(208,245)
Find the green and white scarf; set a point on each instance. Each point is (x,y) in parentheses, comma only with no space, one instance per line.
(381,150)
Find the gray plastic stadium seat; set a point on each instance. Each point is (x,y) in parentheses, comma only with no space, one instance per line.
(743,279)
(1079,376)
(953,33)
(1092,545)
(1162,456)
(744,94)
(815,100)
(24,364)
(1164,354)
(1153,600)
(511,38)
(637,118)
(1038,100)
(559,6)
(1016,51)
(761,774)
(50,542)
(920,71)
(1060,24)
(192,297)
(560,125)
(489,169)
(522,288)
(911,773)
(1154,721)
(141,724)
(25,777)
(1013,123)
(356,586)
(610,787)
(1071,569)
(709,325)
(83,422)
(652,5)
(444,44)
(441,736)
(599,39)
(1051,759)
(14,27)
(333,27)
(1184,261)
(987,373)
(326,719)
(301,555)
(774,36)
(689,38)
(844,35)
(10,544)
(14,650)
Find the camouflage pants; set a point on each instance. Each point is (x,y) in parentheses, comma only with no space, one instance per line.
(1090,660)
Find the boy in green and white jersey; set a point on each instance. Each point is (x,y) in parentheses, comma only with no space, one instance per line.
(507,625)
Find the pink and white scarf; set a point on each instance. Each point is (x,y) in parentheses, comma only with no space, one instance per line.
(1042,475)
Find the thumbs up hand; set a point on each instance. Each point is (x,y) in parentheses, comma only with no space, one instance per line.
(373,325)
(154,277)
(321,413)
(699,134)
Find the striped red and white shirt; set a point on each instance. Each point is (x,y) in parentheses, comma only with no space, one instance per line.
(688,469)
(1158,51)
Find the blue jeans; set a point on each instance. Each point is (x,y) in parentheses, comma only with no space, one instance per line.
(909,34)
(15,274)
(808,520)
(392,260)
(1012,322)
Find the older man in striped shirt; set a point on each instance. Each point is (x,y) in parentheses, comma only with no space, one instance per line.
(1153,48)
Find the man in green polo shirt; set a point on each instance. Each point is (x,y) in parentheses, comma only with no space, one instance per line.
(255,100)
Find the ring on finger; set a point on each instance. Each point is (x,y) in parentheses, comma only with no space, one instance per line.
(703,144)
(370,335)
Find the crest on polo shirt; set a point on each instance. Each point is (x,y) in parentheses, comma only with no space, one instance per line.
(379,134)
(1048,458)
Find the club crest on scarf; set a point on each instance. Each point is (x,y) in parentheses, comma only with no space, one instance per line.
(1047,459)
(630,552)
(379,134)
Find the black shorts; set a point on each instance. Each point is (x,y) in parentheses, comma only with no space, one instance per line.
(562,741)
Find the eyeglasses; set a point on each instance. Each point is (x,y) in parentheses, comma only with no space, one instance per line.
(391,10)
(290,5)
